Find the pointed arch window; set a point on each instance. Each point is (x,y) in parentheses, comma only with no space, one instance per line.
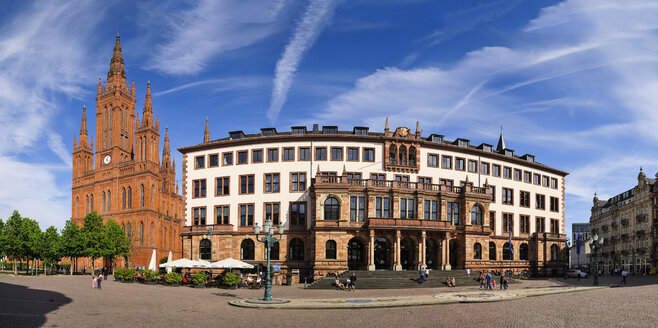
(403,156)
(151,235)
(103,203)
(141,234)
(123,198)
(412,156)
(392,154)
(130,197)
(77,207)
(91,202)
(164,238)
(152,195)
(109,201)
(129,233)
(141,196)
(87,205)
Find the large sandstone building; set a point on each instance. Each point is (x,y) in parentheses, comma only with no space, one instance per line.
(370,200)
(122,178)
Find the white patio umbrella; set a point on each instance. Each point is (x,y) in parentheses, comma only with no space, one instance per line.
(231,263)
(201,264)
(169,261)
(180,263)
(152,263)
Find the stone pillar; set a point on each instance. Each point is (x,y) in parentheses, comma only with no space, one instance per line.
(446,253)
(423,251)
(371,251)
(398,266)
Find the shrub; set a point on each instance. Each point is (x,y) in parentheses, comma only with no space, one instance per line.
(119,273)
(199,278)
(173,278)
(150,275)
(231,279)
(129,274)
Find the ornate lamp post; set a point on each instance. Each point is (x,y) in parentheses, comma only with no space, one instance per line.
(567,252)
(209,235)
(595,245)
(268,239)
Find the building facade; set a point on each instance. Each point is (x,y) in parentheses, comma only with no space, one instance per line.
(580,233)
(363,200)
(121,176)
(626,221)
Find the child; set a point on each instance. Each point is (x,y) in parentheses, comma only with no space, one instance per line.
(93,281)
(99,281)
(493,282)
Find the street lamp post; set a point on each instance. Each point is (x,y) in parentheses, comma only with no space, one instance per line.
(595,244)
(209,235)
(268,239)
(567,251)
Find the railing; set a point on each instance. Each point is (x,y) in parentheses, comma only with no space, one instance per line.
(202,228)
(399,184)
(374,222)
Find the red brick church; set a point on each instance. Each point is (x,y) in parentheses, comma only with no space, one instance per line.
(122,178)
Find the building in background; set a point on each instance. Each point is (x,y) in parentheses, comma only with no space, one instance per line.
(626,223)
(580,252)
(122,178)
(370,200)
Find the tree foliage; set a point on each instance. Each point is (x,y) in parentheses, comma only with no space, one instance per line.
(92,232)
(115,241)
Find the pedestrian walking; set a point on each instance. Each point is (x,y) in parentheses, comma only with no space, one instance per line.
(422,276)
(623,277)
(353,281)
(99,281)
(488,279)
(483,283)
(427,274)
(93,281)
(468,272)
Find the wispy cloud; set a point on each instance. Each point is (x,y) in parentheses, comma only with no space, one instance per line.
(315,18)
(234,83)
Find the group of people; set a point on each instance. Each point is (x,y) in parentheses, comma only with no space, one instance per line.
(450,281)
(96,281)
(488,282)
(350,283)
(424,275)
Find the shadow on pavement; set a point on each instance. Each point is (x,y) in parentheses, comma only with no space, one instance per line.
(610,280)
(21,306)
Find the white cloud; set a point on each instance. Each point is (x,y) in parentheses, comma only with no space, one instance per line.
(233,83)
(315,18)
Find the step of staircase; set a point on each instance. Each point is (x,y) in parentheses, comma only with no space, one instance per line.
(397,279)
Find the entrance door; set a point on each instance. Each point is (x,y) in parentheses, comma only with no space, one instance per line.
(382,247)
(407,258)
(431,259)
(355,254)
(453,254)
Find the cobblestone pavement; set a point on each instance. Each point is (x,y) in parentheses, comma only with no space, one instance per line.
(63,301)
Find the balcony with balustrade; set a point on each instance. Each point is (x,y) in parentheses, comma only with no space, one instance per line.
(641,217)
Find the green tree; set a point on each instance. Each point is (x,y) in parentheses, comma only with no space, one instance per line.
(116,242)
(2,239)
(72,242)
(13,244)
(92,232)
(51,248)
(31,237)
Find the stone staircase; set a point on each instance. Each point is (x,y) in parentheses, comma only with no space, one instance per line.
(397,279)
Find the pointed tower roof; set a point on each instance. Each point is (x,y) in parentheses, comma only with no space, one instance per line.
(84,143)
(166,155)
(116,76)
(501,142)
(147,116)
(75,144)
(206,134)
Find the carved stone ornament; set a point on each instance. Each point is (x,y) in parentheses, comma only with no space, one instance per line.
(402,132)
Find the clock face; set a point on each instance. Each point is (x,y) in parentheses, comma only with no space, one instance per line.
(107,159)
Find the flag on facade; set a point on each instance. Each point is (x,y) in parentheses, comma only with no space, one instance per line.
(579,237)
(511,249)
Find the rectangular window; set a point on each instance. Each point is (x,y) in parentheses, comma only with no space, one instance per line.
(527,177)
(484,168)
(446,182)
(495,170)
(517,175)
(407,208)
(378,176)
(424,181)
(298,181)
(352,154)
(357,209)
(403,208)
(320,153)
(508,196)
(213,160)
(199,188)
(304,154)
(524,222)
(492,220)
(199,216)
(459,164)
(524,199)
(507,172)
(272,182)
(200,162)
(353,177)
(540,224)
(430,210)
(382,209)
(246,184)
(555,226)
(298,213)
(257,156)
(378,207)
(508,222)
(336,153)
(554,183)
(243,157)
(289,154)
(368,154)
(386,207)
(227,159)
(492,193)
(221,214)
(537,179)
(446,162)
(246,215)
(272,212)
(432,160)
(222,184)
(544,181)
(328,175)
(273,154)
(453,212)
(472,166)
(540,202)
(555,205)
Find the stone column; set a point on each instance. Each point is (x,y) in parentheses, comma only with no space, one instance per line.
(446,253)
(371,252)
(398,266)
(423,251)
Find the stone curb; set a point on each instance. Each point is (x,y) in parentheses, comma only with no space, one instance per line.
(393,301)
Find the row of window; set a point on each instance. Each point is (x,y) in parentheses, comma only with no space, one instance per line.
(524,223)
(127,229)
(271,184)
(126,201)
(354,154)
(524,199)
(247,247)
(508,252)
(297,214)
(462,164)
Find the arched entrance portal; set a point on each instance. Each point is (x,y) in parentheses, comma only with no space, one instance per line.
(431,254)
(454,248)
(382,258)
(407,252)
(355,258)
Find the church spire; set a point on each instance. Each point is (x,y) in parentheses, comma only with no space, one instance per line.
(147,117)
(166,155)
(83,128)
(501,141)
(206,134)
(116,76)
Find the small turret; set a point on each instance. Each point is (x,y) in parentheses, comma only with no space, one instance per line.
(501,141)
(206,133)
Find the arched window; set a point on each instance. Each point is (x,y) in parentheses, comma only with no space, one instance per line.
(412,156)
(123,198)
(296,250)
(109,201)
(91,203)
(205,249)
(247,249)
(274,251)
(492,251)
(141,234)
(508,252)
(152,195)
(392,155)
(141,196)
(129,233)
(476,215)
(151,235)
(164,238)
(123,227)
(103,203)
(330,250)
(173,238)
(130,197)
(87,205)
(77,207)
(477,251)
(403,156)
(523,252)
(554,251)
(331,209)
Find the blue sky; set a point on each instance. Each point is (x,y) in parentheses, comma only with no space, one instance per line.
(572,82)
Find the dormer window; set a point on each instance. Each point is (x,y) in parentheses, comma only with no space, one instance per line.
(361,131)
(461,142)
(236,134)
(487,148)
(528,157)
(508,152)
(268,132)
(329,130)
(298,130)
(436,138)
